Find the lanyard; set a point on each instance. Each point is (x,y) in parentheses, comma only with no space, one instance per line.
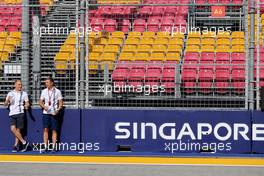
(49,95)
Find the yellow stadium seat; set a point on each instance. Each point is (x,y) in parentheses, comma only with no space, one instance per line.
(70,41)
(207,48)
(208,41)
(134,34)
(161,41)
(194,35)
(2,42)
(61,65)
(238,48)
(147,41)
(132,41)
(4,55)
(193,48)
(126,56)
(223,49)
(15,35)
(238,34)
(193,41)
(144,48)
(118,34)
(157,57)
(208,35)
(67,48)
(111,49)
(173,56)
(3,35)
(159,48)
(129,48)
(9,48)
(177,35)
(174,48)
(94,56)
(223,41)
(223,35)
(62,56)
(108,57)
(238,41)
(98,48)
(115,41)
(161,34)
(148,34)
(175,41)
(142,57)
(11,42)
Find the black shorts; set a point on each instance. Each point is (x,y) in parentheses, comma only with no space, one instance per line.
(17,120)
(51,122)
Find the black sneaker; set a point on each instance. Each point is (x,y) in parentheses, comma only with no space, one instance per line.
(25,147)
(15,149)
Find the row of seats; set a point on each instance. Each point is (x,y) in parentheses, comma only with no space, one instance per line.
(14,2)
(118,1)
(207,56)
(226,2)
(8,44)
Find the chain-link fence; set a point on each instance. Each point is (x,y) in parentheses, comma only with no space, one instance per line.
(185,54)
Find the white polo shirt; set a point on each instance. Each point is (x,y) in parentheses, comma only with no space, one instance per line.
(17,102)
(51,98)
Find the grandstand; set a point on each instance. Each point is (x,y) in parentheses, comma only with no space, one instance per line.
(159,45)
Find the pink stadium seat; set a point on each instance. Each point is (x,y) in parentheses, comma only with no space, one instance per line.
(166,25)
(191,56)
(157,11)
(139,25)
(153,75)
(153,86)
(190,65)
(125,26)
(238,57)
(224,1)
(222,65)
(205,87)
(120,74)
(206,65)
(207,56)
(202,2)
(4,23)
(238,75)
(14,25)
(212,1)
(238,65)
(189,75)
(97,24)
(171,11)
(205,75)
(145,11)
(123,65)
(153,25)
(136,75)
(168,74)
(238,2)
(222,87)
(222,57)
(121,85)
(189,87)
(222,75)
(110,25)
(169,87)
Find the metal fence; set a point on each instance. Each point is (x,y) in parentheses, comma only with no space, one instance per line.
(128,69)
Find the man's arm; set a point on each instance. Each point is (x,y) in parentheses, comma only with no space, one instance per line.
(7,100)
(42,105)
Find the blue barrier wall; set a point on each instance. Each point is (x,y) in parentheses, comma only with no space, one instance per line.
(156,131)
(99,126)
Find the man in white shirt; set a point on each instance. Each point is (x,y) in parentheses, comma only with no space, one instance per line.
(17,100)
(51,101)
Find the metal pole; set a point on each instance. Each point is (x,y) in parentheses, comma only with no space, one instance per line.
(251,51)
(25,45)
(77,56)
(258,43)
(82,55)
(36,60)
(87,53)
(247,52)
